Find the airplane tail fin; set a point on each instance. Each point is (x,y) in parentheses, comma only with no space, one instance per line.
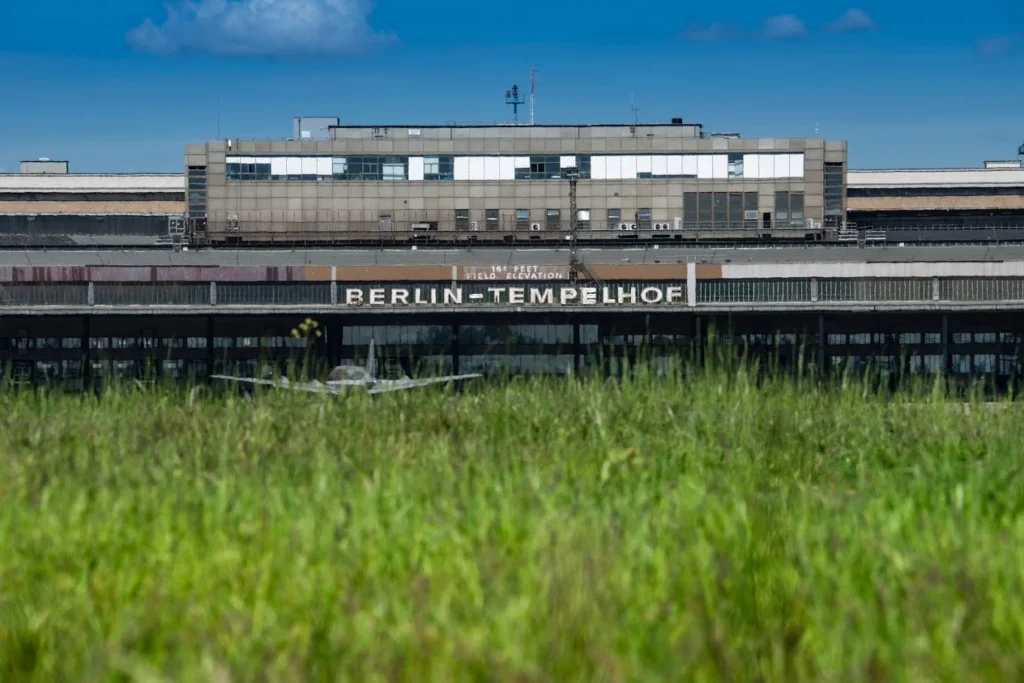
(371,361)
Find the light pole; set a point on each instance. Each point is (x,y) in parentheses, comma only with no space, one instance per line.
(572,174)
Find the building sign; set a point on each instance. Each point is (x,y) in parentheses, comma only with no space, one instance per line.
(513,295)
(504,272)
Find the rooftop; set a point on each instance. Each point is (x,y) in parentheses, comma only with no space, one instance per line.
(92,182)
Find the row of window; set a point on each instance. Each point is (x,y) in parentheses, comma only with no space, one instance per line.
(23,343)
(383,167)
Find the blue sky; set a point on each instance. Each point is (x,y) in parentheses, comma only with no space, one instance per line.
(122,85)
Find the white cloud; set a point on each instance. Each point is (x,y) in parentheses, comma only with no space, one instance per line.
(853,19)
(783,26)
(995,46)
(261,28)
(716,30)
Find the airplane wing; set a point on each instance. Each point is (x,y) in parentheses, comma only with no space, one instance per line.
(400,384)
(311,387)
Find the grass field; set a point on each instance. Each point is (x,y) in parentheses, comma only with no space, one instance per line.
(550,531)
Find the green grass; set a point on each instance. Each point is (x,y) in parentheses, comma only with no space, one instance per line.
(647,530)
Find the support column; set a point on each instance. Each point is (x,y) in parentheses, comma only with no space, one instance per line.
(455,348)
(947,365)
(691,285)
(209,346)
(822,341)
(86,354)
(698,338)
(577,361)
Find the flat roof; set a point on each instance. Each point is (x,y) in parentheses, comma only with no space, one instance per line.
(517,125)
(92,182)
(936,177)
(528,256)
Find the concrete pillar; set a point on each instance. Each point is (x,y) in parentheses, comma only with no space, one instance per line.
(822,341)
(91,296)
(213,293)
(935,289)
(814,290)
(947,364)
(691,285)
(334,285)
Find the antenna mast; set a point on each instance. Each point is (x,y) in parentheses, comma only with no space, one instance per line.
(635,109)
(533,91)
(512,97)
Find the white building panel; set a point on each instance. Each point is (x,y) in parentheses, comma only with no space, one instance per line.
(461,168)
(492,168)
(751,166)
(232,160)
(278,166)
(704,166)
(659,165)
(415,168)
(614,166)
(940,177)
(308,165)
(324,166)
(476,168)
(599,168)
(690,165)
(781,165)
(628,167)
(247,160)
(566,162)
(720,166)
(677,164)
(796,165)
(294,165)
(766,165)
(92,182)
(522,162)
(267,160)
(506,168)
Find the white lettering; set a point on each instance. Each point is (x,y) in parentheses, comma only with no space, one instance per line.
(376,297)
(354,297)
(433,295)
(453,296)
(516,295)
(588,296)
(630,295)
(399,296)
(606,296)
(417,297)
(496,291)
(673,293)
(542,296)
(651,295)
(568,294)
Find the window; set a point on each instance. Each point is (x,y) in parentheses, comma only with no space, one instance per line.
(614,218)
(439,168)
(583,219)
(689,210)
(197,190)
(522,219)
(704,206)
(583,164)
(781,207)
(833,192)
(462,219)
(553,219)
(735,209)
(492,219)
(394,168)
(796,208)
(735,165)
(643,219)
(720,212)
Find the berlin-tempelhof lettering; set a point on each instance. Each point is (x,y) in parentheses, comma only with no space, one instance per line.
(611,295)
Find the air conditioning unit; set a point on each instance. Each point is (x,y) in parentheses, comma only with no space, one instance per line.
(535,227)
(473,225)
(750,215)
(677,223)
(625,227)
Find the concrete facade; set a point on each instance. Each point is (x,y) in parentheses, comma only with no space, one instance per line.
(508,179)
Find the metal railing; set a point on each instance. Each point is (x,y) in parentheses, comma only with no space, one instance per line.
(482,295)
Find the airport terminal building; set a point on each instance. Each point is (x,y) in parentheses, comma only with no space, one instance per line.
(512,183)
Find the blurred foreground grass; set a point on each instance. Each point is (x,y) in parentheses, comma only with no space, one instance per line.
(646,530)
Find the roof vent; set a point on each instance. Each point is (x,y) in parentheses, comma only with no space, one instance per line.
(677,121)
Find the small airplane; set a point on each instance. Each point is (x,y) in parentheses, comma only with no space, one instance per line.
(345,377)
